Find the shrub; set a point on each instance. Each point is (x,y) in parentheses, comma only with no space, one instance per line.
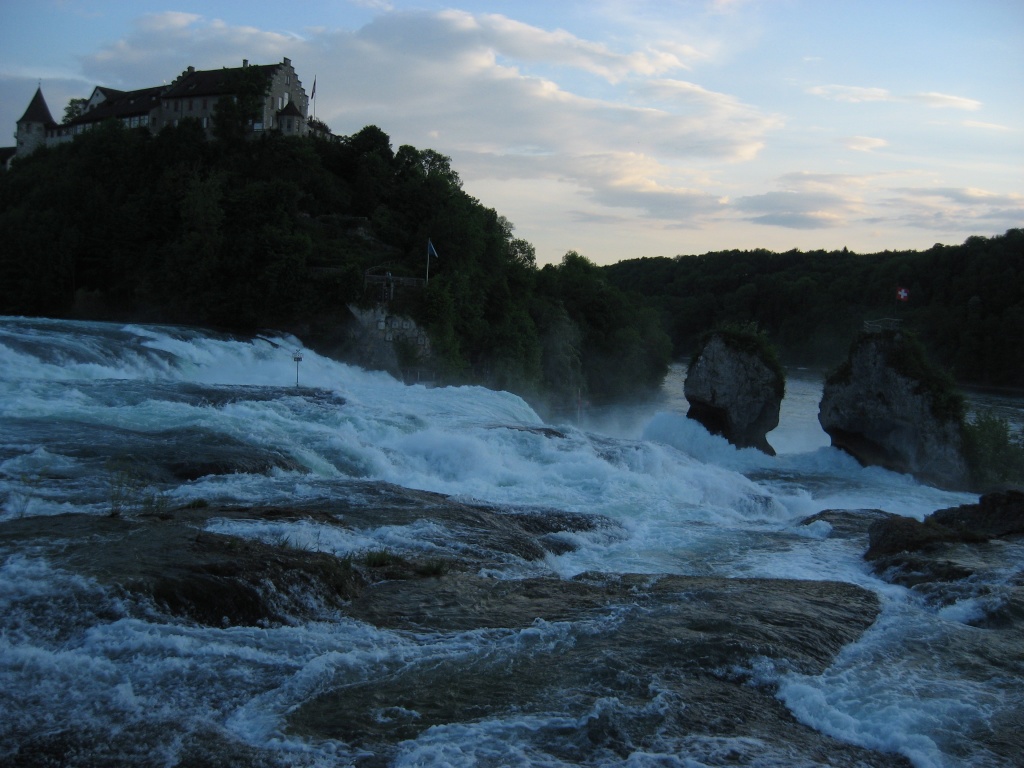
(994,457)
(379,558)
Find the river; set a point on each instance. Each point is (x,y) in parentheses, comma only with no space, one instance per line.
(122,682)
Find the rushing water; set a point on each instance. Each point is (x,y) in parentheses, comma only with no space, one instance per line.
(923,681)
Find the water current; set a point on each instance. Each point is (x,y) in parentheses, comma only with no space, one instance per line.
(927,682)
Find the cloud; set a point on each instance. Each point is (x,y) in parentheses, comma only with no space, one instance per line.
(526,44)
(832,182)
(945,101)
(953,209)
(853,94)
(796,210)
(162,44)
(850,93)
(373,5)
(985,126)
(505,99)
(865,143)
(457,82)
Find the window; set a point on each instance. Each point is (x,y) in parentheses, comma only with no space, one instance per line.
(204,105)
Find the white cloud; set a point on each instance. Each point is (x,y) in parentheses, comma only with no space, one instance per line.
(500,96)
(525,43)
(854,94)
(169,21)
(796,209)
(163,44)
(373,5)
(950,209)
(985,126)
(945,101)
(633,132)
(850,93)
(865,143)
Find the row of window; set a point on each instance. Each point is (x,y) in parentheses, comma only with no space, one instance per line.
(191,105)
(142,121)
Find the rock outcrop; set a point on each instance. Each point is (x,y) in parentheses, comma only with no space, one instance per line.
(735,390)
(638,659)
(965,559)
(996,515)
(886,407)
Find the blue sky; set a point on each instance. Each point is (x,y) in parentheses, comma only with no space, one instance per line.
(620,128)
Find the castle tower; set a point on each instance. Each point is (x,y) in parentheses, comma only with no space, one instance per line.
(34,124)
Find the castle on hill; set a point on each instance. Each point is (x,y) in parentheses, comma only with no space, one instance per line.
(193,95)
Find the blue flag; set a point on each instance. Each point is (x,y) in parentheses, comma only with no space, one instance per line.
(430,249)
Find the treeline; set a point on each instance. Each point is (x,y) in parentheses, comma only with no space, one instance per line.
(965,302)
(278,231)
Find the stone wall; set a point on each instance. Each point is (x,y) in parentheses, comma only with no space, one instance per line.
(380,336)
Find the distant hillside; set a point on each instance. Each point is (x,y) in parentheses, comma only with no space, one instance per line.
(278,232)
(965,301)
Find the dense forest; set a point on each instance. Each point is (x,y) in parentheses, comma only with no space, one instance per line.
(277,232)
(965,302)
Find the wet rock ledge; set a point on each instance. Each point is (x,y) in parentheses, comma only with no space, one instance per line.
(685,659)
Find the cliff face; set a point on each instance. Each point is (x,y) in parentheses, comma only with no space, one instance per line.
(734,393)
(883,415)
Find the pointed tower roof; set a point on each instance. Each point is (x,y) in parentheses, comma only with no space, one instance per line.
(37,111)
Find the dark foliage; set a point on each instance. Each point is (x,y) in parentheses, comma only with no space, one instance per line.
(966,301)
(278,231)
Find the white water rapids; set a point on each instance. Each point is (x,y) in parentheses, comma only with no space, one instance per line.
(920,682)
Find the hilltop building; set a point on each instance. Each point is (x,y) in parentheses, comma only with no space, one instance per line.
(194,94)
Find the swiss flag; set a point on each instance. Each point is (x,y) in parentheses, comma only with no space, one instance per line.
(903,294)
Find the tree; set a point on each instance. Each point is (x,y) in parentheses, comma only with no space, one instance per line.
(75,108)
(233,115)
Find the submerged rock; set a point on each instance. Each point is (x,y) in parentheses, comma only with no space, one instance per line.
(886,407)
(605,666)
(735,391)
(969,554)
(600,667)
(995,515)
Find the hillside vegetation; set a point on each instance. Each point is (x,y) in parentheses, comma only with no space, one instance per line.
(278,231)
(966,302)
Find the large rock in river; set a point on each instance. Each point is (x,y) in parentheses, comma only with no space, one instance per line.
(735,389)
(885,406)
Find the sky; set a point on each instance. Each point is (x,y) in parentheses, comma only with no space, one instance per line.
(619,128)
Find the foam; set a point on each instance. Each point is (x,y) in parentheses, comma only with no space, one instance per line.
(680,501)
(893,691)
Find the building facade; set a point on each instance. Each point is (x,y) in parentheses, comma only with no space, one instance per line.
(193,95)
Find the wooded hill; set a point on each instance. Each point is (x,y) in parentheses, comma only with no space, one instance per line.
(276,232)
(965,302)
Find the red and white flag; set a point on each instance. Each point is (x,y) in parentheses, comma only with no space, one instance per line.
(903,294)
